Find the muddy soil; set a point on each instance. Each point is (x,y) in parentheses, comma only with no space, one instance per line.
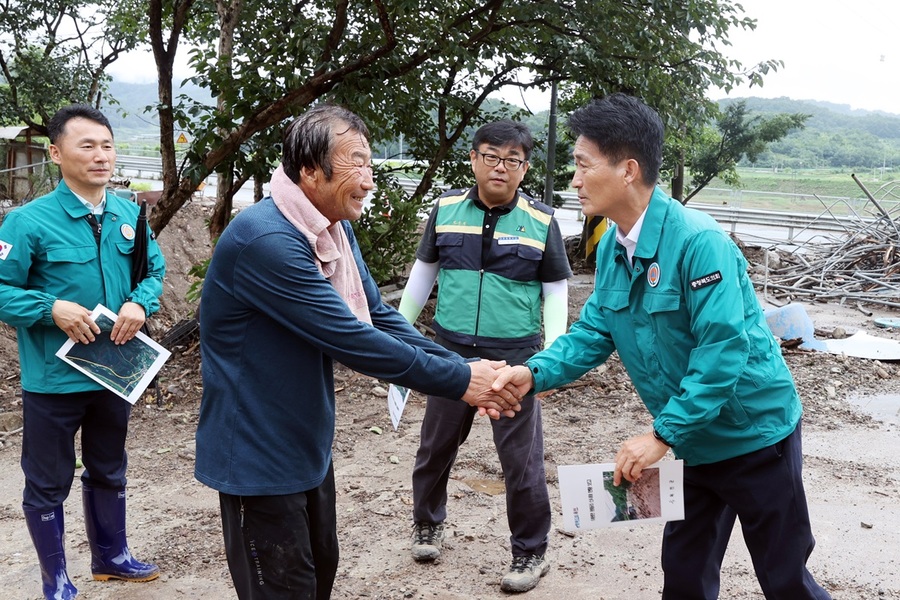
(852,477)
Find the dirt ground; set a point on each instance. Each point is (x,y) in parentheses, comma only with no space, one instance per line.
(852,477)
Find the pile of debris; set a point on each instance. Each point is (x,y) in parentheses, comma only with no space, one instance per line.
(861,266)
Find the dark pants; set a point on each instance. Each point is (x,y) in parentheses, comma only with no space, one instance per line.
(520,446)
(282,547)
(765,490)
(48,443)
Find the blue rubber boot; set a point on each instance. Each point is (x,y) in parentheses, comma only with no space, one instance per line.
(104,518)
(47,530)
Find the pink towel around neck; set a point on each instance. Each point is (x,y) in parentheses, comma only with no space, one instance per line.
(334,258)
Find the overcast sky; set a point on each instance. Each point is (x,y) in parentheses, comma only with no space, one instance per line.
(846,52)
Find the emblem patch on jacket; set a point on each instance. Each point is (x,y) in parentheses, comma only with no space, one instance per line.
(653,275)
(702,282)
(5,247)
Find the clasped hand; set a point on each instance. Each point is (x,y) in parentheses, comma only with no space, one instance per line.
(490,399)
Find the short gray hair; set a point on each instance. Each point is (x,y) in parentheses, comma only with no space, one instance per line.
(309,139)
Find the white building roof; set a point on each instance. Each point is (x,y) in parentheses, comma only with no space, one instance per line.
(11,133)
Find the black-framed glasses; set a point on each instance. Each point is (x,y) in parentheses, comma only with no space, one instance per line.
(492,160)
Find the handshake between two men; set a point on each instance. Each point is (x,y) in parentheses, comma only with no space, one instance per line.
(496,389)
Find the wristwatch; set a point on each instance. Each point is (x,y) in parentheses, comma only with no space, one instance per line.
(661,438)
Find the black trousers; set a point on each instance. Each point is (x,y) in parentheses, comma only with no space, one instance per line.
(765,490)
(48,443)
(282,547)
(520,446)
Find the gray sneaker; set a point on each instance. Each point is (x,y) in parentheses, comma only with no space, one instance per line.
(525,573)
(426,541)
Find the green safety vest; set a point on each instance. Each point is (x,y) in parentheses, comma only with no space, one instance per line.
(498,302)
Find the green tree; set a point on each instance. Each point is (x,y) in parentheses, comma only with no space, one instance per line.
(716,151)
(56,53)
(666,53)
(421,69)
(833,137)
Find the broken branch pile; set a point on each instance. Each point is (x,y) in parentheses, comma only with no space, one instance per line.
(860,266)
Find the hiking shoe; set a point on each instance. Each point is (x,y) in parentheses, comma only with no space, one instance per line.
(426,541)
(524,573)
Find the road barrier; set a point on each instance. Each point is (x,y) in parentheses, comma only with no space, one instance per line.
(727,216)
(731,216)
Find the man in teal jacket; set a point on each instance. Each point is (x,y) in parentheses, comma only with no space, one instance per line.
(672,296)
(60,256)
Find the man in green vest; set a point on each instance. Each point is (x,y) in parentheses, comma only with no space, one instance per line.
(500,263)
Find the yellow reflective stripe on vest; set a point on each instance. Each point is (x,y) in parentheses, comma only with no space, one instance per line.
(533,212)
(451,200)
(453,228)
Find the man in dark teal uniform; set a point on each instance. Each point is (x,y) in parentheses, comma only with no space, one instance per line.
(60,256)
(673,298)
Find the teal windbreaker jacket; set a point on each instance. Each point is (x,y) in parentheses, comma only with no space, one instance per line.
(48,252)
(690,332)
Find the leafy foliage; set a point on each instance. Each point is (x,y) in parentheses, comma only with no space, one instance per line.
(198,274)
(664,52)
(420,69)
(386,232)
(833,136)
(737,135)
(56,53)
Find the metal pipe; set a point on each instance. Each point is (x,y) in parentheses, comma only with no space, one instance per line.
(874,201)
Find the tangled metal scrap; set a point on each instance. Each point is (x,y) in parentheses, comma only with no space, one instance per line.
(859,266)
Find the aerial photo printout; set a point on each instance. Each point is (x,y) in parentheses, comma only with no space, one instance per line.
(125,369)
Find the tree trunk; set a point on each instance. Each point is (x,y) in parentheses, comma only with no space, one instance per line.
(257,189)
(221,214)
(678,180)
(228,14)
(175,191)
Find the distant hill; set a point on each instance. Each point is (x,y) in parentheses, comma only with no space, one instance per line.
(841,109)
(827,115)
(127,112)
(848,110)
(835,135)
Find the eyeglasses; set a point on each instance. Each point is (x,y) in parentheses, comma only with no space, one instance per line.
(492,160)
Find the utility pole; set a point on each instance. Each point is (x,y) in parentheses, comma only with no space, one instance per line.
(551,148)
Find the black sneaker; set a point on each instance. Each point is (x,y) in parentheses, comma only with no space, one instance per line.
(524,573)
(426,541)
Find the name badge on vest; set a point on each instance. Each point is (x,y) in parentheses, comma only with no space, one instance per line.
(507,240)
